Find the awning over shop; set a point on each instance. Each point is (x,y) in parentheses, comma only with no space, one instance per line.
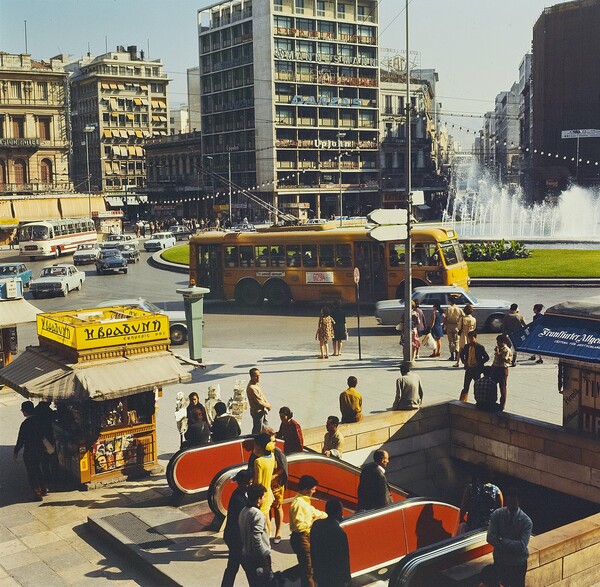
(36,209)
(570,330)
(13,312)
(41,374)
(74,207)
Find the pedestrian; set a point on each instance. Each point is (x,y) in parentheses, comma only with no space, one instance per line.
(256,549)
(420,324)
(198,431)
(351,402)
(452,317)
(194,403)
(231,534)
(259,406)
(224,426)
(500,365)
(279,483)
(537,314)
(324,332)
(512,322)
(437,330)
(290,432)
(474,356)
(302,516)
(340,332)
(12,239)
(409,390)
(329,548)
(485,391)
(31,440)
(46,416)
(480,499)
(467,324)
(263,467)
(333,442)
(373,490)
(415,341)
(509,533)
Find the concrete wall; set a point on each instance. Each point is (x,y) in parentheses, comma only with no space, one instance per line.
(540,453)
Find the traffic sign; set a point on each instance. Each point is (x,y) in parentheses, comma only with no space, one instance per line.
(389,232)
(580,133)
(356,275)
(388,216)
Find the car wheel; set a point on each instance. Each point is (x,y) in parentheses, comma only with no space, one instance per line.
(65,291)
(98,271)
(178,335)
(249,293)
(494,323)
(78,288)
(125,270)
(278,293)
(31,258)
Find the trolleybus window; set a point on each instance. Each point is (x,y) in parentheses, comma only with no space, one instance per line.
(326,256)
(262,256)
(343,255)
(309,255)
(277,258)
(293,258)
(231,256)
(451,256)
(246,256)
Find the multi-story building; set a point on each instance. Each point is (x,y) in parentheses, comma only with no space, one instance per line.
(525,122)
(507,135)
(176,182)
(193,93)
(289,101)
(425,168)
(34,129)
(566,86)
(179,119)
(118,101)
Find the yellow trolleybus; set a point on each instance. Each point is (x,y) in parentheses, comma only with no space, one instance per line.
(316,263)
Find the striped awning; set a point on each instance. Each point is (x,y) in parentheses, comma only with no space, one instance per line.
(41,374)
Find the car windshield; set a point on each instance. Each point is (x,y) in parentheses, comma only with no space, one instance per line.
(53,272)
(111,253)
(127,247)
(150,307)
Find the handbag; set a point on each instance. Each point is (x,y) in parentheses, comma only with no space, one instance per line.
(48,446)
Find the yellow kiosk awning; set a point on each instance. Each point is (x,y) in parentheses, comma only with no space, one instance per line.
(42,374)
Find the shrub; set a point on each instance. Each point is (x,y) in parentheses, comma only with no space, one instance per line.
(495,251)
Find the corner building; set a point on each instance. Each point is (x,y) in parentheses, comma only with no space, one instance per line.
(289,100)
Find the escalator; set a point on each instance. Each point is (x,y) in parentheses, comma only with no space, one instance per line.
(409,523)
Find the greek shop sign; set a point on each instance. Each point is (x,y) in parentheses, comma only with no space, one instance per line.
(325,58)
(326,101)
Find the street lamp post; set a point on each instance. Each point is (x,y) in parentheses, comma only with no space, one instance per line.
(87,129)
(229,169)
(340,136)
(212,180)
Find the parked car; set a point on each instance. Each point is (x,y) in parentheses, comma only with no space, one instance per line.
(317,221)
(488,313)
(16,270)
(159,241)
(177,322)
(112,240)
(181,233)
(244,227)
(130,252)
(60,278)
(111,261)
(86,253)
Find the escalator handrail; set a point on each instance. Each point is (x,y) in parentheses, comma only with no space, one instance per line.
(413,562)
(359,516)
(169,473)
(227,474)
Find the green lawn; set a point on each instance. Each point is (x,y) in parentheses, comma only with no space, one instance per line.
(542,263)
(179,254)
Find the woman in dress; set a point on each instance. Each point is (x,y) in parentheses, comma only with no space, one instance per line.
(437,332)
(324,332)
(466,324)
(339,328)
(263,468)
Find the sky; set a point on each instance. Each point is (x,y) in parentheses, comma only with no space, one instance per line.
(476,46)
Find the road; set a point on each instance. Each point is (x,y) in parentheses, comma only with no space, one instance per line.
(228,325)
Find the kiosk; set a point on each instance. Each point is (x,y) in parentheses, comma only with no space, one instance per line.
(103,369)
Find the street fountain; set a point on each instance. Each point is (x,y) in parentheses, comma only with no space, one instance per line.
(482,208)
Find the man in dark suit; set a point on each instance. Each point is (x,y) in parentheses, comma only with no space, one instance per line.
(30,439)
(231,534)
(373,491)
(329,548)
(225,426)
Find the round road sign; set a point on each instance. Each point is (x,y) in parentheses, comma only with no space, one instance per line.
(356,275)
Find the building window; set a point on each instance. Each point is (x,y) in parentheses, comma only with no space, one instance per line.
(362,12)
(2,127)
(320,8)
(44,128)
(341,11)
(20,172)
(42,90)
(388,105)
(15,90)
(18,127)
(278,5)
(46,171)
(300,6)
